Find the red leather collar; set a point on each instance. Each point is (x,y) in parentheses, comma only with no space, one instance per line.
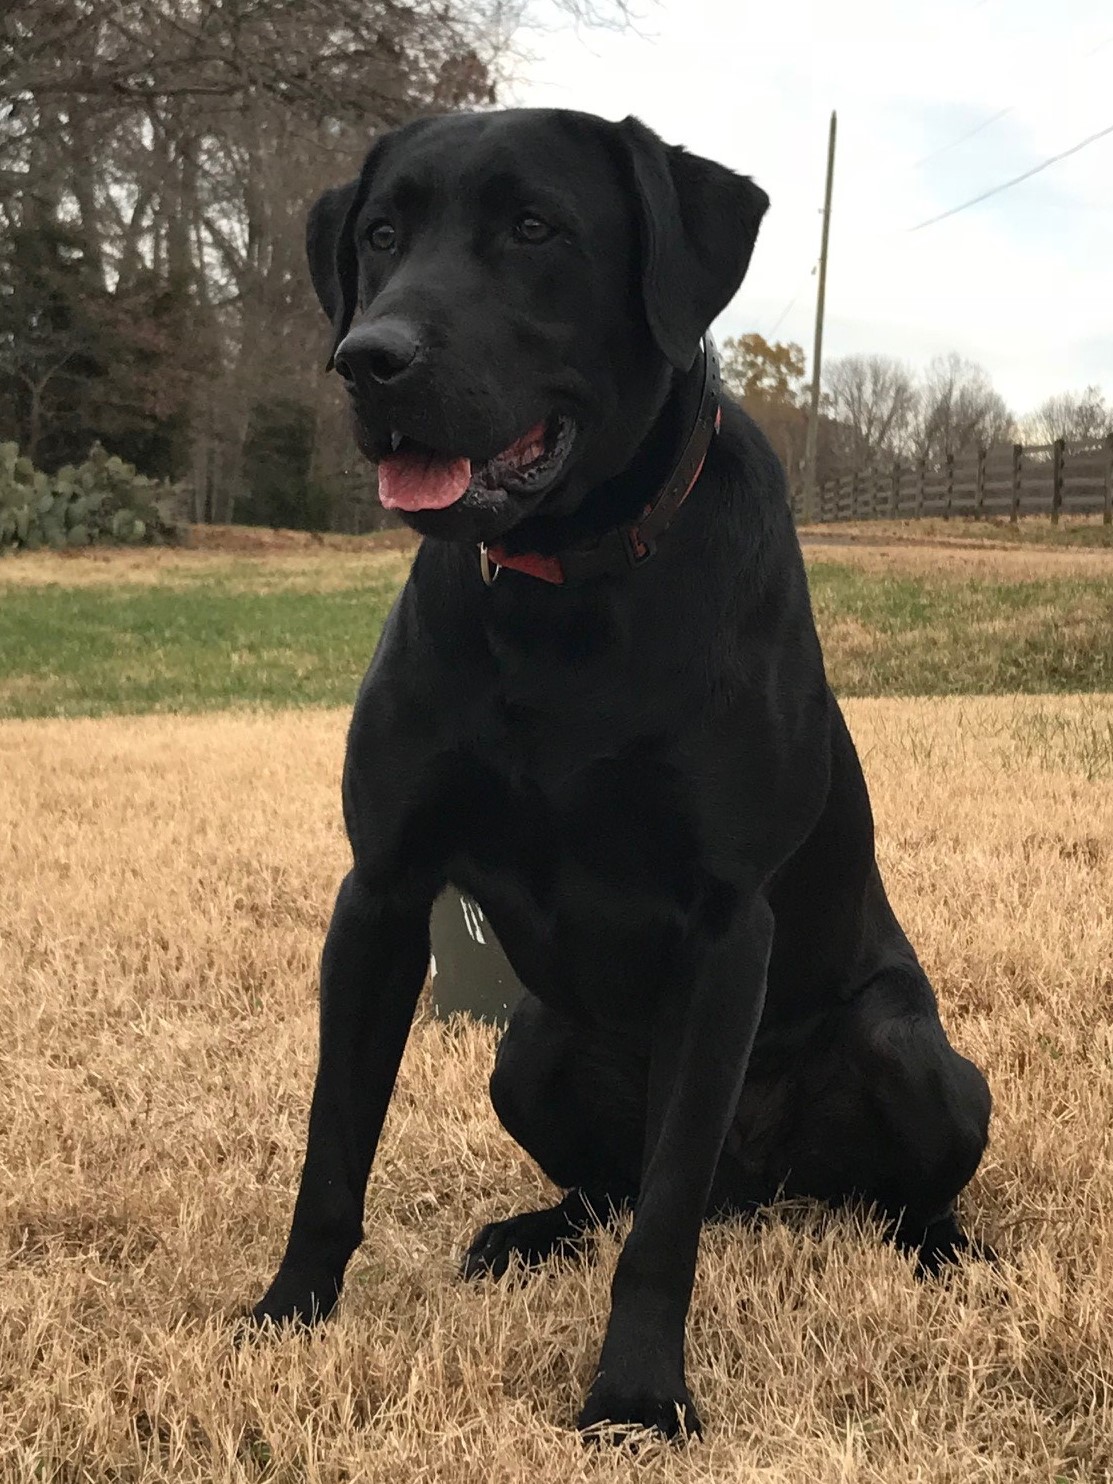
(627,546)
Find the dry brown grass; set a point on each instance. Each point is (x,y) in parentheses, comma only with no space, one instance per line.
(303,567)
(271,562)
(951,562)
(164,888)
(276,540)
(963,529)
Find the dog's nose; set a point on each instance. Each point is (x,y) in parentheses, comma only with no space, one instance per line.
(381,350)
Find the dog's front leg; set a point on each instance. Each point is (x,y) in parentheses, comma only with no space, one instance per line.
(372,970)
(702,1040)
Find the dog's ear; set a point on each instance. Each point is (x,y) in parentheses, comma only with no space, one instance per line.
(324,227)
(698,223)
(330,246)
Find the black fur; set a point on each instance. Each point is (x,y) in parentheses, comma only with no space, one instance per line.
(645,780)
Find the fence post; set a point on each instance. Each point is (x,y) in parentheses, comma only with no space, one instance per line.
(1107,509)
(979,491)
(920,485)
(894,490)
(1057,449)
(1018,458)
(950,485)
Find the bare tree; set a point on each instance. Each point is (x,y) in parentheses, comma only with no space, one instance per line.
(959,411)
(181,141)
(339,60)
(1080,417)
(873,399)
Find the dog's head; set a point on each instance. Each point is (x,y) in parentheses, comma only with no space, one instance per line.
(511,294)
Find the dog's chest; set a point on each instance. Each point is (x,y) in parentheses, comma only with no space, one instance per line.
(586,866)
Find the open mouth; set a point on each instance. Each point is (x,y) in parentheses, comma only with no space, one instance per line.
(415,477)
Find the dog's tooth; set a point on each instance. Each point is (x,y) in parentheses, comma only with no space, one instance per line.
(396,441)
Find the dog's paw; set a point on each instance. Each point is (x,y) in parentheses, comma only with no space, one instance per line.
(611,1412)
(945,1244)
(534,1237)
(297,1299)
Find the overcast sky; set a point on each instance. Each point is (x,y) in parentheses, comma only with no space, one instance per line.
(1022,283)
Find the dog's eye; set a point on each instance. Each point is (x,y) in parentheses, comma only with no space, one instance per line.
(532,229)
(382,237)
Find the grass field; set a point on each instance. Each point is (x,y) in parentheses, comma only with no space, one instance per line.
(167,630)
(295,624)
(1071,531)
(164,888)
(165,884)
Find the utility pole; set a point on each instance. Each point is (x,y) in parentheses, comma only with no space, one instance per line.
(811,446)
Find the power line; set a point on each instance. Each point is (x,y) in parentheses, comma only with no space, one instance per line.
(1007,184)
(996,117)
(962,138)
(789,307)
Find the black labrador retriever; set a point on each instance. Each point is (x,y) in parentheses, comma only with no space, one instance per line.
(599,706)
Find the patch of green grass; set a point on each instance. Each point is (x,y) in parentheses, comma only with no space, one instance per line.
(933,635)
(249,634)
(129,648)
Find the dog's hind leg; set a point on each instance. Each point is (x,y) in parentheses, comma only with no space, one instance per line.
(930,1109)
(882,1109)
(574,1099)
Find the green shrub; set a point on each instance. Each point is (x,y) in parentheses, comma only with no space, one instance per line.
(101,500)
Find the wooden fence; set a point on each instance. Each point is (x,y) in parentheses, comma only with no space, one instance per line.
(1008,479)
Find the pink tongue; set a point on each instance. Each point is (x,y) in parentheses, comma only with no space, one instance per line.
(416,480)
